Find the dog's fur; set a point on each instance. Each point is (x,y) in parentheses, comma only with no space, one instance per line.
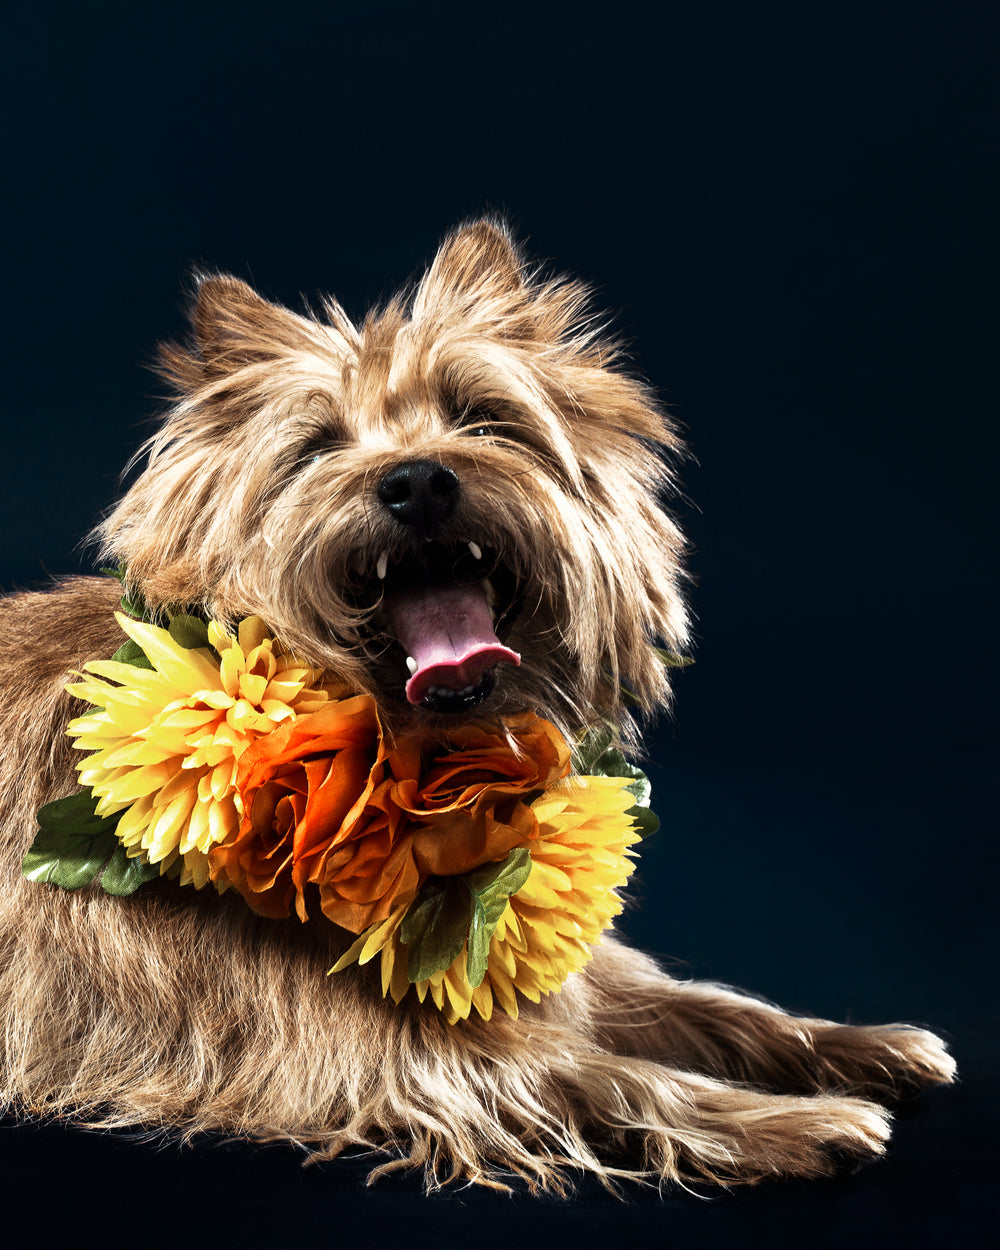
(182,1009)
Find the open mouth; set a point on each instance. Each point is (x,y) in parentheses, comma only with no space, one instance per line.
(445,607)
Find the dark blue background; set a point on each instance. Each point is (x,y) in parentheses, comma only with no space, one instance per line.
(790,209)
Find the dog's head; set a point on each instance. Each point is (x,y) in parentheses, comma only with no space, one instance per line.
(455,507)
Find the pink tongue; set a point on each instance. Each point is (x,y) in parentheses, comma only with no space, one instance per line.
(448,631)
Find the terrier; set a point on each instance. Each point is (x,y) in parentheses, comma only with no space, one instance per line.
(453,514)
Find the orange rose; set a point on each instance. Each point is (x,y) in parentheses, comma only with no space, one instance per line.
(325,803)
(442,809)
(477,758)
(470,796)
(302,786)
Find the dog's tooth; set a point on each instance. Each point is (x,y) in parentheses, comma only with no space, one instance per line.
(477,551)
(383,566)
(411,664)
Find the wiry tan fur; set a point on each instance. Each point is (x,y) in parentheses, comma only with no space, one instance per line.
(182,1009)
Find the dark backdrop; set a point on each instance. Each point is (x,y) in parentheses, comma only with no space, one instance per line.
(788,208)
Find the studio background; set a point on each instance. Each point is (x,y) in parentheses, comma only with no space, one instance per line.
(788,209)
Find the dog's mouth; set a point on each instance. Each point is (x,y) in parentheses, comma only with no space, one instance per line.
(445,608)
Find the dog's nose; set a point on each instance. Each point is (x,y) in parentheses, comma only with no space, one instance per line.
(421,494)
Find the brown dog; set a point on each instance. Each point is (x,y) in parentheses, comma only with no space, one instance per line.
(327,479)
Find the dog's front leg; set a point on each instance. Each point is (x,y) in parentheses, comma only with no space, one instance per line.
(640,1010)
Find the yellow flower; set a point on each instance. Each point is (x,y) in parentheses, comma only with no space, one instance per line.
(180,748)
(579,858)
(166,740)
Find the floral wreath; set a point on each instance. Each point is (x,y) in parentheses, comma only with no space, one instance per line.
(476,866)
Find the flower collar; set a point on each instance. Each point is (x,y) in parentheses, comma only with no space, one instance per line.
(476,868)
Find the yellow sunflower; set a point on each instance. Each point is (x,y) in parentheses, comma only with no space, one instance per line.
(166,740)
(579,859)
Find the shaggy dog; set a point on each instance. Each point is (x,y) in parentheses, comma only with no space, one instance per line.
(317,475)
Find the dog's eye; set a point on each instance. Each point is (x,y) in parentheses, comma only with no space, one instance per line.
(476,421)
(316,448)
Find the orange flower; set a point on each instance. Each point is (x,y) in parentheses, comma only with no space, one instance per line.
(301,786)
(472,799)
(325,803)
(531,754)
(442,809)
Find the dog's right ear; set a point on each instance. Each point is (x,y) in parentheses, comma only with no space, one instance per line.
(234,326)
(225,310)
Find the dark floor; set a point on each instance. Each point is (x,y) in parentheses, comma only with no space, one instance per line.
(936,1188)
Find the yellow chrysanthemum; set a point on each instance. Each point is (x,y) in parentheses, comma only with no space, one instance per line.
(166,740)
(580,857)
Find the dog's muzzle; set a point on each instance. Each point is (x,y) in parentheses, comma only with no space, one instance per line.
(439,601)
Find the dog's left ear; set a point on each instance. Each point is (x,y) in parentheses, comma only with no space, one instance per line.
(478,261)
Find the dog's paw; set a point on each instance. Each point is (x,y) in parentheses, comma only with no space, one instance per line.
(916,1057)
(734,1135)
(885,1062)
(807,1137)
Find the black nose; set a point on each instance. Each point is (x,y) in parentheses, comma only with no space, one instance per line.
(420,493)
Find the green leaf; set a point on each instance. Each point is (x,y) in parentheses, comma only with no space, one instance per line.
(645,820)
(672,660)
(596,755)
(491,886)
(124,875)
(188,631)
(131,653)
(435,927)
(590,750)
(75,846)
(450,911)
(192,629)
(70,860)
(76,813)
(134,604)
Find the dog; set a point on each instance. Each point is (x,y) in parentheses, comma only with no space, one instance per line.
(328,480)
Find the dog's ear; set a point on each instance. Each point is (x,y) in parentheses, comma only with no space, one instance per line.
(224,309)
(478,261)
(233,326)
